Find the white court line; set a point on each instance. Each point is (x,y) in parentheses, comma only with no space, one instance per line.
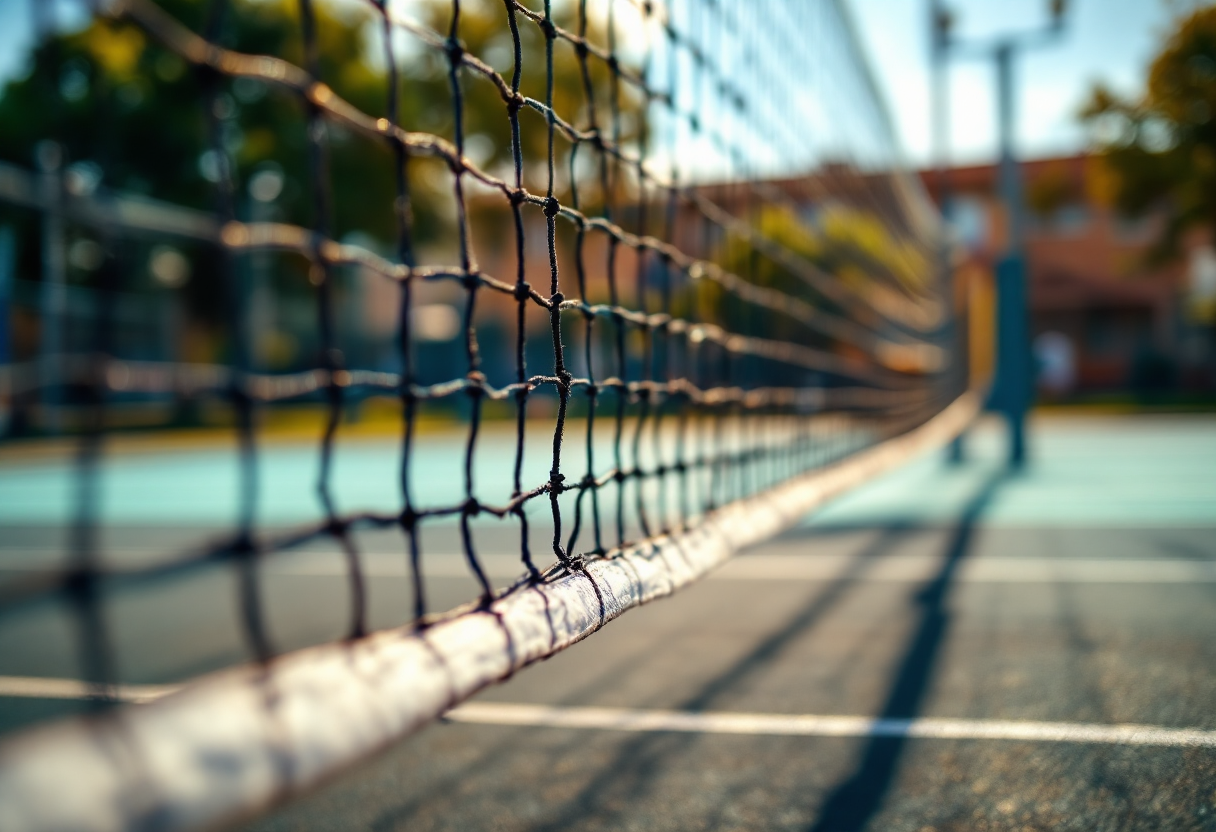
(34,687)
(760,567)
(979,570)
(710,722)
(621,719)
(791,567)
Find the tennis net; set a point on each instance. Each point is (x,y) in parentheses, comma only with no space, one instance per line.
(661,258)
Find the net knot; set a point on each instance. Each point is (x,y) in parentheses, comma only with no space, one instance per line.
(515,103)
(471,507)
(523,290)
(239,391)
(477,384)
(580,48)
(552,207)
(517,197)
(408,518)
(454,50)
(593,390)
(548,28)
(556,299)
(81,579)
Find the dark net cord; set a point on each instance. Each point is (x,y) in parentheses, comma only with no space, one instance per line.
(683,387)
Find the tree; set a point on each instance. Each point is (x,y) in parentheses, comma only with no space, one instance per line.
(113,96)
(1160,151)
(131,115)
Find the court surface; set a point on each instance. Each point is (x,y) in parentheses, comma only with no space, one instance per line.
(948,648)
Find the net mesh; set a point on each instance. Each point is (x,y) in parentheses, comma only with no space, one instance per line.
(670,245)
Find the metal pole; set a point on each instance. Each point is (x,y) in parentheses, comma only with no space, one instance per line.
(1012,390)
(8,273)
(53,300)
(1010,179)
(940,121)
(1013,347)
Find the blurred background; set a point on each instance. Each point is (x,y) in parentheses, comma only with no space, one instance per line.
(1112,122)
(1109,112)
(101,119)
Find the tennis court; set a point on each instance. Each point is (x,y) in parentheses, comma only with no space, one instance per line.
(368,357)
(1006,623)
(1079,592)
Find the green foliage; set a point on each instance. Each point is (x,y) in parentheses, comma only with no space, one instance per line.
(133,114)
(845,241)
(112,96)
(1160,150)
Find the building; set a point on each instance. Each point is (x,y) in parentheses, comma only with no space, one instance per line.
(1103,318)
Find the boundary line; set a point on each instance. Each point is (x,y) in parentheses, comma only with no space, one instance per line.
(714,722)
(813,725)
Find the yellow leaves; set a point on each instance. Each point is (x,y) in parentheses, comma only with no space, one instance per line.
(849,242)
(116,48)
(845,225)
(783,226)
(849,228)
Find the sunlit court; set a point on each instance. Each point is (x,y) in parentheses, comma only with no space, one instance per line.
(607,414)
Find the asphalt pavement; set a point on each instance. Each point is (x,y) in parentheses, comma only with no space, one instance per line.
(1002,626)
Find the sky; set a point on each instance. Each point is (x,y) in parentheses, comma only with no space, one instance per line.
(1112,41)
(1108,40)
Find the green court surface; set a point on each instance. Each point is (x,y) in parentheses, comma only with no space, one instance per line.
(1006,625)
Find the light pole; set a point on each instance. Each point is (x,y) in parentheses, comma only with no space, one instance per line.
(1013,385)
(939,26)
(53,292)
